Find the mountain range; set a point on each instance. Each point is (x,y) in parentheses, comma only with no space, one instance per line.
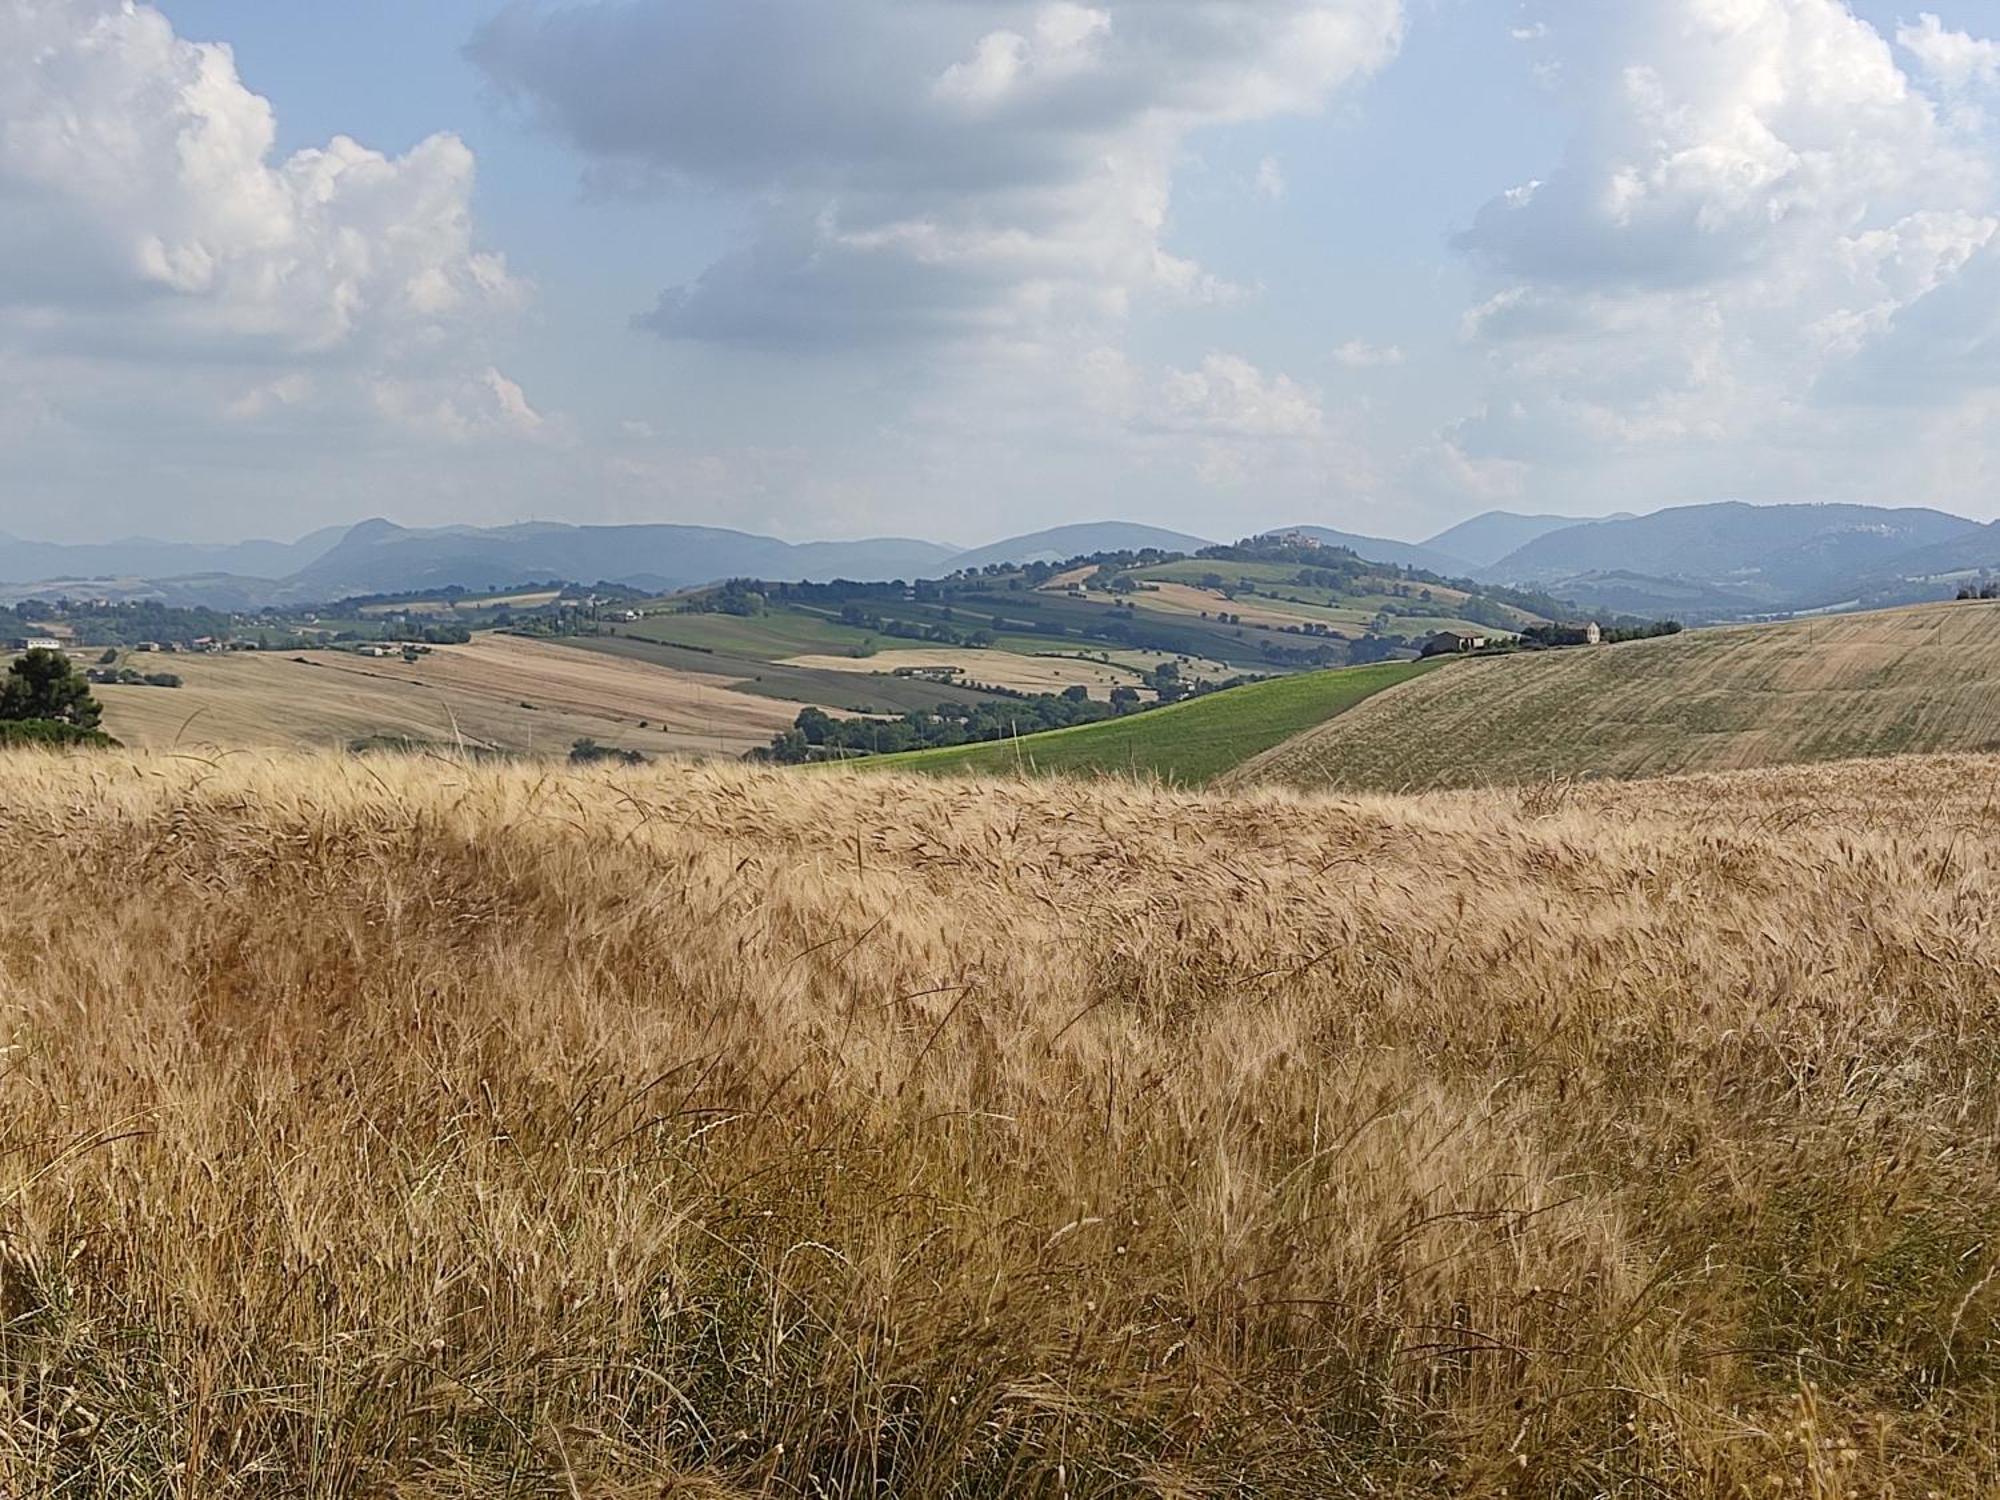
(1700,563)
(378,557)
(1745,559)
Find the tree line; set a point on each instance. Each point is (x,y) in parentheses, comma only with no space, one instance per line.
(818,735)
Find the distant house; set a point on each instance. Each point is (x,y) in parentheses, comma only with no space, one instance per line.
(41,643)
(1296,539)
(1448,642)
(1576,633)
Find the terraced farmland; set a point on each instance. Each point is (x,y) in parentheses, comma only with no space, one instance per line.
(1898,681)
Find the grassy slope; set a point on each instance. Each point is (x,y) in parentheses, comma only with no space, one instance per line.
(767,637)
(1923,679)
(382,1129)
(1187,744)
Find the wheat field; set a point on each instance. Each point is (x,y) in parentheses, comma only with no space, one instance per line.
(401,1127)
(1921,680)
(498,692)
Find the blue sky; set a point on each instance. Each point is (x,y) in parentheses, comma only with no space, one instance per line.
(958,268)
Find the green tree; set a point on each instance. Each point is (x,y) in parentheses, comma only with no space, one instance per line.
(43,684)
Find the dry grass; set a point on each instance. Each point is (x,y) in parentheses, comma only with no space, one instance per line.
(499,692)
(1921,680)
(1007,669)
(399,1128)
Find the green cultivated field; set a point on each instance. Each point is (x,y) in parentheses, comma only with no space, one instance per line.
(1187,744)
(767,637)
(1893,682)
(854,692)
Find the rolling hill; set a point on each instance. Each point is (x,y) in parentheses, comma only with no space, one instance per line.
(1061,543)
(1969,551)
(1380,549)
(1187,744)
(499,693)
(380,557)
(1700,563)
(1485,539)
(23,561)
(1908,680)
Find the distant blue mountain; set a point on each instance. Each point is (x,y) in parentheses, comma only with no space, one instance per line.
(1777,556)
(379,557)
(141,557)
(1485,539)
(1061,543)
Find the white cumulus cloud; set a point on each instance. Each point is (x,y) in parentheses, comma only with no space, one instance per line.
(927,169)
(1955,58)
(1735,263)
(139,195)
(204,317)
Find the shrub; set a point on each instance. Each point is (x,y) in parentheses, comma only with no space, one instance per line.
(52,734)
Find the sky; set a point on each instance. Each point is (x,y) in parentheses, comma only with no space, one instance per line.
(960,269)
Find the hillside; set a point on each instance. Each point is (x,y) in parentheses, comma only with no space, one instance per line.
(1974,550)
(376,1127)
(1184,744)
(1383,550)
(1727,560)
(1773,556)
(1485,539)
(379,557)
(140,557)
(1060,543)
(498,693)
(1897,681)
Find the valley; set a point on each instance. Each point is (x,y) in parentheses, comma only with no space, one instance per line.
(1702,563)
(1274,662)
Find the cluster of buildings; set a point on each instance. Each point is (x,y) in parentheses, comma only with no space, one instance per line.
(1569,633)
(200,644)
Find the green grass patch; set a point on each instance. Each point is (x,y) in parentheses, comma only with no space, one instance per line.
(767,637)
(1186,744)
(1193,569)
